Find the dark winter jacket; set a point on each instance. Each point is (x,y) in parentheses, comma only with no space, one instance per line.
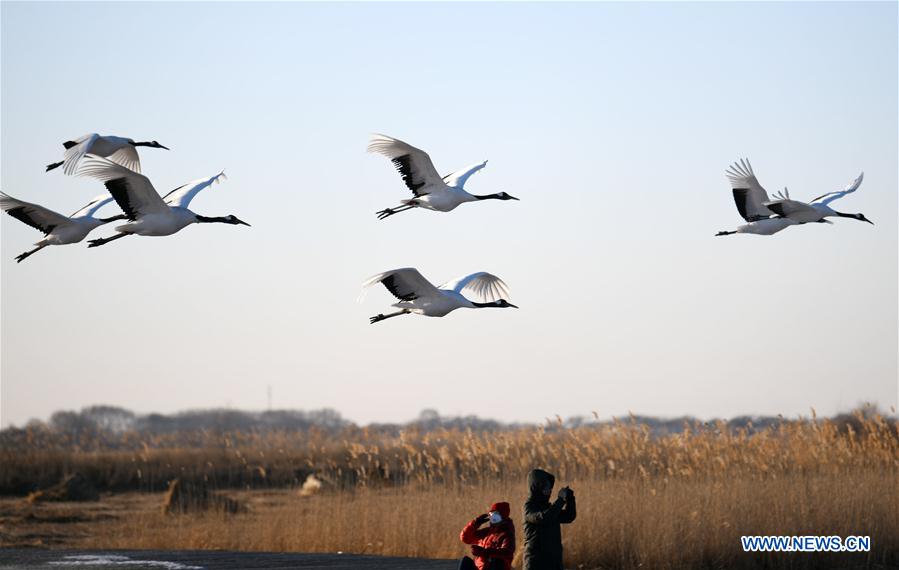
(542,524)
(498,542)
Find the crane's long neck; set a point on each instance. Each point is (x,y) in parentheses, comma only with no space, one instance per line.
(487,196)
(212,220)
(144,143)
(859,217)
(483,305)
(112,219)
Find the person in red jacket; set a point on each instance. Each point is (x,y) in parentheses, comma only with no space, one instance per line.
(493,546)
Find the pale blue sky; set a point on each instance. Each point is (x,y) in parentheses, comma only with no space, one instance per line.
(613,123)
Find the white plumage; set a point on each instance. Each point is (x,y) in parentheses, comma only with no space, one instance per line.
(58,229)
(429,189)
(120,150)
(418,295)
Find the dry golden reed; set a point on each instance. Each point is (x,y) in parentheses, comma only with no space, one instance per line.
(675,501)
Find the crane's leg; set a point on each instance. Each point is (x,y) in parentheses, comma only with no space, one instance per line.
(52,166)
(21,257)
(724,233)
(101,241)
(387,212)
(379,318)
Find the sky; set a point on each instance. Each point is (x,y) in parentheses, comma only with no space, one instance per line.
(613,123)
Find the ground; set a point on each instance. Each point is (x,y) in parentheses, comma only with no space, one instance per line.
(65,534)
(31,558)
(67,525)
(54,535)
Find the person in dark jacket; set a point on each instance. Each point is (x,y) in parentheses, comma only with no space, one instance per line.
(493,546)
(543,520)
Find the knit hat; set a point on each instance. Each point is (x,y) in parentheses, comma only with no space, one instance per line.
(501,508)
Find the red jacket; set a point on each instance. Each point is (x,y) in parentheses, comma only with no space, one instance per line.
(498,541)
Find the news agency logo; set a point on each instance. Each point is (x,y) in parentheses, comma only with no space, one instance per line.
(806,544)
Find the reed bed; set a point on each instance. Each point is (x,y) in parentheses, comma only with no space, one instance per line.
(675,501)
(621,524)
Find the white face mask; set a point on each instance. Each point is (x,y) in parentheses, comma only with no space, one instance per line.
(495,518)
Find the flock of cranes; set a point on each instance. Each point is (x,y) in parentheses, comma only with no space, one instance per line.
(442,194)
(115,162)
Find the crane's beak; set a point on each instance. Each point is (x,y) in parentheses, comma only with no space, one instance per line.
(510,304)
(243,223)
